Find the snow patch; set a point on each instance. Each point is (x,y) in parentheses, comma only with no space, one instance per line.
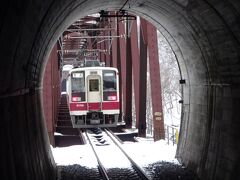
(144,152)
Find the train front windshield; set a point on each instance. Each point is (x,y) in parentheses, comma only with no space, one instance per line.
(109,85)
(78,86)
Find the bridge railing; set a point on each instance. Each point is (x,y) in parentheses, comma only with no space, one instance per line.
(171,134)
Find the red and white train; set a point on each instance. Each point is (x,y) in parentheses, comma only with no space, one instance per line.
(93,95)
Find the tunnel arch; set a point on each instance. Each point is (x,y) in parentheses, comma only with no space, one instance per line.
(204,36)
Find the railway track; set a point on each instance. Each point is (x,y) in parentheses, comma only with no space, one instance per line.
(108,151)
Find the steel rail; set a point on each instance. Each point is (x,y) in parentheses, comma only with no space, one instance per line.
(100,167)
(134,164)
(81,136)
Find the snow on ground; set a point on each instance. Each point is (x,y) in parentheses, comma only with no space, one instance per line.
(143,153)
(146,151)
(77,154)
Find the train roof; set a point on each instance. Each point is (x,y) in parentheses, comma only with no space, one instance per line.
(67,67)
(93,68)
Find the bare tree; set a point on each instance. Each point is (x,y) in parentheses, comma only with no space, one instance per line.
(171,92)
(169,73)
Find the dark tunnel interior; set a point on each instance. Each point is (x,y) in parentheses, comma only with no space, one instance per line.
(205,38)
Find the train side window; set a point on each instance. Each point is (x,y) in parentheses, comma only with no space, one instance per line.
(78,84)
(93,85)
(109,81)
(109,85)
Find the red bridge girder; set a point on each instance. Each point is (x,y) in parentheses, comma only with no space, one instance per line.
(157,109)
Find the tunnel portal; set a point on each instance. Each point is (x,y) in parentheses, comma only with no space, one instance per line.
(205,38)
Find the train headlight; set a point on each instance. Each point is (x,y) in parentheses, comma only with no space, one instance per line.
(112,98)
(76,98)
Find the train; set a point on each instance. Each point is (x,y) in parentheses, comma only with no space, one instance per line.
(92,91)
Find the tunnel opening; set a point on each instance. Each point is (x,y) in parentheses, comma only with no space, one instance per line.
(172,127)
(72,54)
(173,46)
(195,60)
(204,36)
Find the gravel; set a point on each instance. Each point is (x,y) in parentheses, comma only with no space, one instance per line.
(77,172)
(169,171)
(159,170)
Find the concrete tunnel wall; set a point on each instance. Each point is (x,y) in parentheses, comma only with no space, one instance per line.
(205,38)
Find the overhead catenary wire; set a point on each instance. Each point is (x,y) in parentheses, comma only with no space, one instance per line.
(121,9)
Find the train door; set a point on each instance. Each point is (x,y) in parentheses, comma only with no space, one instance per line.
(94,92)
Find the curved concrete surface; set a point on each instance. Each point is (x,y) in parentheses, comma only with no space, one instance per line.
(205,37)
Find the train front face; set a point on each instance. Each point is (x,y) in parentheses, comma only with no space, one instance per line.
(93,96)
